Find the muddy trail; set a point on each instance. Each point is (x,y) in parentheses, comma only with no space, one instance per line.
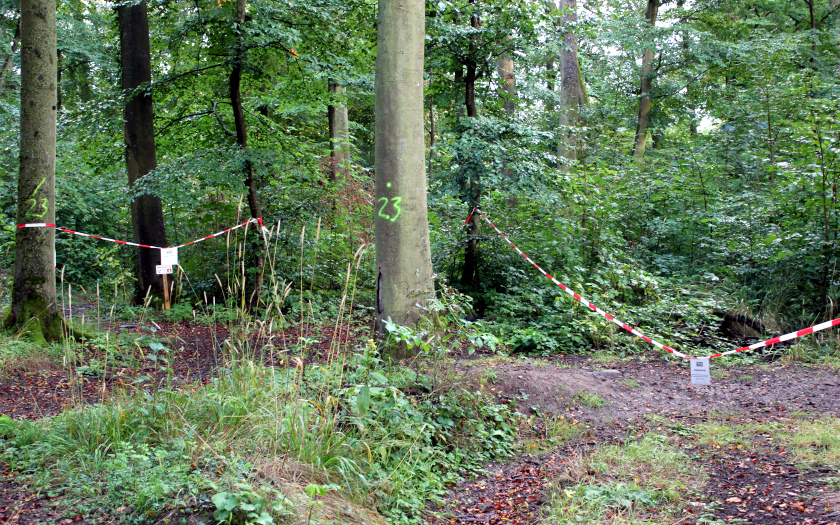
(750,479)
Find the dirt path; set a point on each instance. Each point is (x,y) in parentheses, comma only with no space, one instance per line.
(750,481)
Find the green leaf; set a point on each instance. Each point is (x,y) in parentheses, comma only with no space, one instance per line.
(363,400)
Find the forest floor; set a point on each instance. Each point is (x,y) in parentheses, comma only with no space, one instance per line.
(751,475)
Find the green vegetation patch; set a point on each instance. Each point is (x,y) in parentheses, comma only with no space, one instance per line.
(259,443)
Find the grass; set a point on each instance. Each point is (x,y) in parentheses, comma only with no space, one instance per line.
(814,442)
(640,481)
(148,451)
(589,399)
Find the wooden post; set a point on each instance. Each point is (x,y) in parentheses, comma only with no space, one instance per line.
(165,292)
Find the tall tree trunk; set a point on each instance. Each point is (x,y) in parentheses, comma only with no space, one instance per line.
(256,248)
(646,85)
(835,4)
(508,84)
(339,133)
(571,93)
(34,310)
(404,275)
(472,183)
(432,143)
(147,222)
(508,93)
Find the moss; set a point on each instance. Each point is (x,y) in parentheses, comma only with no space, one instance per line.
(34,321)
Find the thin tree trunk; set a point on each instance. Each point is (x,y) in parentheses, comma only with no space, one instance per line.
(571,96)
(646,85)
(147,223)
(34,311)
(508,84)
(404,275)
(58,80)
(242,141)
(508,94)
(835,4)
(432,139)
(472,185)
(339,124)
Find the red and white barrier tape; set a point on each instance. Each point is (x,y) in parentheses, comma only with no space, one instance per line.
(779,339)
(258,221)
(127,243)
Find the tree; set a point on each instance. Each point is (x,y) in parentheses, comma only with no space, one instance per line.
(404,276)
(34,310)
(646,85)
(242,141)
(572,94)
(339,132)
(508,83)
(147,223)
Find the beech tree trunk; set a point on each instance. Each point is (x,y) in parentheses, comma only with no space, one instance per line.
(646,85)
(34,311)
(508,84)
(404,276)
(572,95)
(339,134)
(255,248)
(147,222)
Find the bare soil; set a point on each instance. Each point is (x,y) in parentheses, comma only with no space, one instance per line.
(758,484)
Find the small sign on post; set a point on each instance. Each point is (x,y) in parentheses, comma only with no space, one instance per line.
(168,256)
(700,373)
(163,269)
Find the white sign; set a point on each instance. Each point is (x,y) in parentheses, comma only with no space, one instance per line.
(168,256)
(700,373)
(163,269)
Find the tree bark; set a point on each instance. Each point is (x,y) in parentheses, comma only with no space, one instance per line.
(404,276)
(432,143)
(835,4)
(242,140)
(34,310)
(147,224)
(508,84)
(571,92)
(339,124)
(472,185)
(646,85)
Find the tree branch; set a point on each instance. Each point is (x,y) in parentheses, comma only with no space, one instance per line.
(179,119)
(222,122)
(185,73)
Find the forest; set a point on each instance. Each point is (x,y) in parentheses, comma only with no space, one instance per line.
(323,261)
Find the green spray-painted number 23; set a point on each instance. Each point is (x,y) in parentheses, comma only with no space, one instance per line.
(34,200)
(395,202)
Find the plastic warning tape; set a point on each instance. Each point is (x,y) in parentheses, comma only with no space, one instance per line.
(258,221)
(634,331)
(127,243)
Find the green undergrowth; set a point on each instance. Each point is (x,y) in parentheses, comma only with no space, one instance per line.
(263,445)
